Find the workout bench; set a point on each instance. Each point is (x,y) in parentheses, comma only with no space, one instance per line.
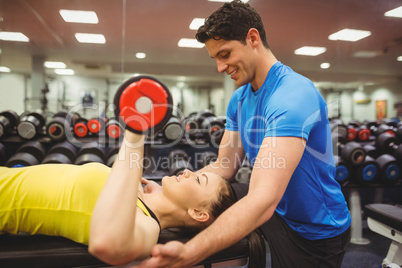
(47,251)
(386,220)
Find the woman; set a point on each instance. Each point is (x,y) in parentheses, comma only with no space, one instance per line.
(107,208)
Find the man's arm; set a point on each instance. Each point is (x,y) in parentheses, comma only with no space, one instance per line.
(230,156)
(267,186)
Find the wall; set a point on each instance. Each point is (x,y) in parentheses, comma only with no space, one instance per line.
(12,87)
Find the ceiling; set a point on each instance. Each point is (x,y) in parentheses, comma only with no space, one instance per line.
(155,27)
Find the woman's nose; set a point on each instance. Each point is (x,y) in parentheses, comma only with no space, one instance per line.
(187,173)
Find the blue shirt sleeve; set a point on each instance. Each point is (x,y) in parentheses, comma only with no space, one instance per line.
(293,110)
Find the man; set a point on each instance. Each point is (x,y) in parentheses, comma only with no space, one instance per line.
(279,120)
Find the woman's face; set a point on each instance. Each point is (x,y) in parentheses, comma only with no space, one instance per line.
(190,190)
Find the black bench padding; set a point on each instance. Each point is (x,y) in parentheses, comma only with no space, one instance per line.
(47,251)
(390,215)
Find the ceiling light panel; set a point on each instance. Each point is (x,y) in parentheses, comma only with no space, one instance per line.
(310,51)
(397,13)
(399,58)
(188,42)
(13,36)
(55,64)
(79,16)
(90,38)
(64,71)
(351,35)
(140,55)
(4,69)
(196,23)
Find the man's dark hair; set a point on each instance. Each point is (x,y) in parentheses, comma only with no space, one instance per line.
(232,21)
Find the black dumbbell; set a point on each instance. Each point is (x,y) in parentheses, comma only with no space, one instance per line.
(390,169)
(342,173)
(243,175)
(81,128)
(114,130)
(143,103)
(178,161)
(173,130)
(63,152)
(207,157)
(3,154)
(61,122)
(368,172)
(339,129)
(213,129)
(8,122)
(351,152)
(90,152)
(387,143)
(28,154)
(191,126)
(30,125)
(113,153)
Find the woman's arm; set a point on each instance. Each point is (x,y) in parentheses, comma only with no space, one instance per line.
(119,233)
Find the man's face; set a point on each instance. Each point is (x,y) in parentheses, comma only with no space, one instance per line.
(233,58)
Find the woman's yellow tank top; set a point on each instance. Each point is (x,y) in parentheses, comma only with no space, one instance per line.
(51,199)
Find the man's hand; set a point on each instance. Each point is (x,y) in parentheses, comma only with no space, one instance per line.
(171,254)
(151,186)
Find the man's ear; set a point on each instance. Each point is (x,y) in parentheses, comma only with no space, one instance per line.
(198,215)
(253,36)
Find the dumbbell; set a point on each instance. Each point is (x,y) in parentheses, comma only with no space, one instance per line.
(81,128)
(178,161)
(60,123)
(114,129)
(243,175)
(390,170)
(113,152)
(363,133)
(368,172)
(387,143)
(351,152)
(213,129)
(8,121)
(96,126)
(30,125)
(173,130)
(28,154)
(207,157)
(90,152)
(63,152)
(381,128)
(339,129)
(143,102)
(191,126)
(342,174)
(2,154)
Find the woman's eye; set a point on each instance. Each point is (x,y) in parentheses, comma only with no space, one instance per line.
(198,180)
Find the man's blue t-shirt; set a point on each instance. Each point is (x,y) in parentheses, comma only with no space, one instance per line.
(288,104)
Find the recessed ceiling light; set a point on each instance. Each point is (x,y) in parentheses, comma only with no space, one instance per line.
(399,58)
(325,65)
(140,55)
(396,12)
(55,64)
(351,35)
(4,69)
(90,38)
(64,71)
(367,54)
(13,36)
(79,16)
(310,51)
(188,42)
(226,1)
(196,23)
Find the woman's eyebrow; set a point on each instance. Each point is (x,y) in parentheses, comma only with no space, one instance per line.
(206,178)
